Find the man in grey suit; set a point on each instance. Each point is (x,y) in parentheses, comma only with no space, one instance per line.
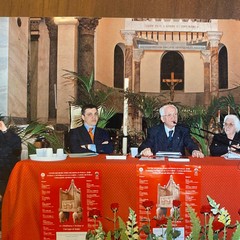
(169,136)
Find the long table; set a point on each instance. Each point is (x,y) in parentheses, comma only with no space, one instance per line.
(21,203)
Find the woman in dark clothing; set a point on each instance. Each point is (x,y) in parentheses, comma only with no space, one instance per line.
(229,140)
(10,152)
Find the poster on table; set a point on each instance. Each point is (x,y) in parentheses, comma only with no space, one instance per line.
(161,186)
(66,199)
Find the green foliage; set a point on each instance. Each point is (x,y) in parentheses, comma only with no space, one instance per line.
(34,130)
(210,229)
(236,235)
(132,227)
(87,94)
(147,105)
(195,221)
(97,234)
(105,115)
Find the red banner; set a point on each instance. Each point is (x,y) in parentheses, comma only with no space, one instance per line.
(66,199)
(162,185)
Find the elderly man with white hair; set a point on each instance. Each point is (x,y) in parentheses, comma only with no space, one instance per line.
(229,139)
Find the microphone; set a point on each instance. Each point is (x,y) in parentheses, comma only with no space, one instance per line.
(221,137)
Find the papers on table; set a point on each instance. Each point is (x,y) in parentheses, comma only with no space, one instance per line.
(144,158)
(116,157)
(232,156)
(79,155)
(178,159)
(168,154)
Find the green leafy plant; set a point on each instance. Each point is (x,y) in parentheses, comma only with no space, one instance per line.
(216,222)
(33,130)
(88,94)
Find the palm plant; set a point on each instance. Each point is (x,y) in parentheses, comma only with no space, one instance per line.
(34,130)
(87,94)
(147,105)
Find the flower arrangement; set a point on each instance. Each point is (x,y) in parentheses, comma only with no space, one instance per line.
(216,223)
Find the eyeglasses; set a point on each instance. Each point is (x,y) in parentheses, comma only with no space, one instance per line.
(228,124)
(171,115)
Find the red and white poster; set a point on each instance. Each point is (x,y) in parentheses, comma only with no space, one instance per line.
(66,199)
(164,185)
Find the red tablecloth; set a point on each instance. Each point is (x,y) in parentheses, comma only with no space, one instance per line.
(21,203)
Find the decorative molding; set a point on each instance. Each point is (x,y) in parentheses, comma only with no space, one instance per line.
(65,20)
(171,25)
(206,56)
(87,25)
(128,36)
(34,28)
(214,38)
(137,54)
(52,27)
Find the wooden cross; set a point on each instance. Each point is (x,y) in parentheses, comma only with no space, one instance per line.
(171,84)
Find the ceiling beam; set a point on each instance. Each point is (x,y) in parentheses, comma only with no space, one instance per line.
(200,9)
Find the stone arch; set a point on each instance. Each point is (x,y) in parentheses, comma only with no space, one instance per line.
(172,61)
(223,67)
(119,65)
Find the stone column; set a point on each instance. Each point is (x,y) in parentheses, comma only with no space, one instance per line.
(86,31)
(136,115)
(66,60)
(128,36)
(53,33)
(206,56)
(33,70)
(214,39)
(137,56)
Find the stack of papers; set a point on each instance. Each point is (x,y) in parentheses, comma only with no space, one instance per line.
(168,154)
(145,158)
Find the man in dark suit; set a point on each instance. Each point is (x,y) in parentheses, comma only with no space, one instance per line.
(169,136)
(89,137)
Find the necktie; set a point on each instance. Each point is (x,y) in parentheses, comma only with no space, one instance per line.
(170,140)
(90,131)
(170,135)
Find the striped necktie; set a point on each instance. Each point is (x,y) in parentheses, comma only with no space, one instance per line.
(90,131)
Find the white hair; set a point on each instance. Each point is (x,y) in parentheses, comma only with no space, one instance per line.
(235,120)
(162,109)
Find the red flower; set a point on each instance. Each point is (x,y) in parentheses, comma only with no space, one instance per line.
(114,207)
(94,213)
(148,205)
(205,209)
(176,203)
(217,226)
(239,211)
(160,222)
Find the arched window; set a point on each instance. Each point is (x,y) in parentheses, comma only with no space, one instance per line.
(223,67)
(172,66)
(119,66)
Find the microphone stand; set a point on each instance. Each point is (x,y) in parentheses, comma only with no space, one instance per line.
(225,137)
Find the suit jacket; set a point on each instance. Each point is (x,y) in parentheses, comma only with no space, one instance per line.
(10,152)
(80,136)
(157,140)
(220,143)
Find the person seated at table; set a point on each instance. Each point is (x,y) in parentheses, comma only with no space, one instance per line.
(89,137)
(10,152)
(229,140)
(169,136)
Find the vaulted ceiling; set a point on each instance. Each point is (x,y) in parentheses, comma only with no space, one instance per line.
(200,9)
